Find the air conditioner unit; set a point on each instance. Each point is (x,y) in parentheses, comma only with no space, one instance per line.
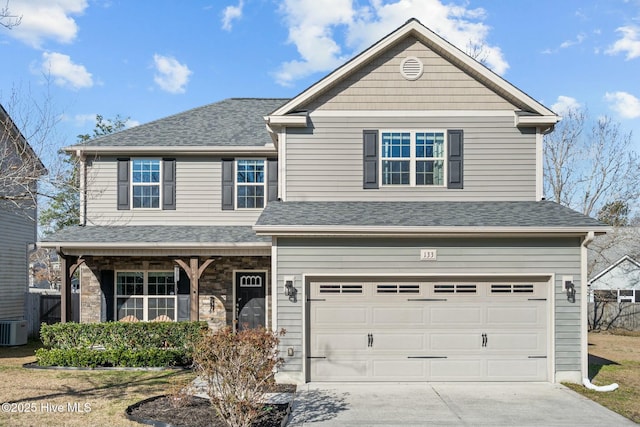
(13,332)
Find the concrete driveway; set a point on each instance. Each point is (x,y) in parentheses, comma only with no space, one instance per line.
(447,404)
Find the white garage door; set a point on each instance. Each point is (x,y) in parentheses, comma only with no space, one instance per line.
(424,331)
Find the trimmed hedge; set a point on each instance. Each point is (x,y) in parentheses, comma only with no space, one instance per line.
(152,344)
(87,358)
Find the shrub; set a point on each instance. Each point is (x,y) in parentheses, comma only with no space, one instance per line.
(119,344)
(237,368)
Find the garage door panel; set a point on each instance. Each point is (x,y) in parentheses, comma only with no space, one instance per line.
(447,342)
(452,316)
(346,369)
(328,316)
(398,342)
(517,369)
(520,314)
(398,369)
(532,342)
(395,316)
(452,369)
(323,344)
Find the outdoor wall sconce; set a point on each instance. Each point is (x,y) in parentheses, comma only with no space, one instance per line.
(289,290)
(571,291)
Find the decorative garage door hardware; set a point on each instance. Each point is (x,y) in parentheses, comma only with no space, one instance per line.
(426,299)
(317,299)
(426,357)
(536,299)
(484,340)
(370,340)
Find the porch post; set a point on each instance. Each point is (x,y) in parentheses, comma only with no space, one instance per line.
(195,291)
(68,267)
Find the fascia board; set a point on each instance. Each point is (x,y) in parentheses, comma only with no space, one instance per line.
(521,120)
(173,150)
(153,245)
(443,47)
(262,230)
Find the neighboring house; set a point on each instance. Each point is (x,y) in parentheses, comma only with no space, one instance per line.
(390,218)
(20,168)
(620,282)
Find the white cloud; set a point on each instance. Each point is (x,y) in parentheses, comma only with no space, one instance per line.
(46,19)
(567,44)
(629,43)
(623,103)
(329,32)
(64,72)
(231,13)
(171,75)
(564,104)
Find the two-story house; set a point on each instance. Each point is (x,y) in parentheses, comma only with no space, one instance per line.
(20,170)
(390,217)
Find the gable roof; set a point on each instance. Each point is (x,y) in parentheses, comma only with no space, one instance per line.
(424,217)
(233,123)
(25,149)
(533,112)
(613,266)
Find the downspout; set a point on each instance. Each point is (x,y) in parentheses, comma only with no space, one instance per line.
(584,337)
(83,187)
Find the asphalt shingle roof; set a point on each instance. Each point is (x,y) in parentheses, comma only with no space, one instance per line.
(157,234)
(231,122)
(424,214)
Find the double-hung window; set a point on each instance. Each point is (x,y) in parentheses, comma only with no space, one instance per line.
(413,158)
(145,183)
(250,184)
(146,295)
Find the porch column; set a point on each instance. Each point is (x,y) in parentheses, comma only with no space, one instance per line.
(68,267)
(194,272)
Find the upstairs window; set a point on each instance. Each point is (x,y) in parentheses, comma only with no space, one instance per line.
(250,184)
(145,183)
(413,158)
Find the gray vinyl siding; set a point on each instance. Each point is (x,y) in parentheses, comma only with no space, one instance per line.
(198,197)
(375,256)
(18,230)
(324,162)
(378,85)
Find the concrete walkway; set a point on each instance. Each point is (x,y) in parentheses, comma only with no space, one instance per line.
(447,404)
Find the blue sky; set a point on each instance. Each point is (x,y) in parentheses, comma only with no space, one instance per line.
(147,59)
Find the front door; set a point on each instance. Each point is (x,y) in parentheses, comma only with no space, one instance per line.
(250,299)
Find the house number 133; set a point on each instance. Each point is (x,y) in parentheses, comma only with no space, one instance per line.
(428,254)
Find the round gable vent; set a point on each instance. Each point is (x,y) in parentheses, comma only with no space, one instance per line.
(411,68)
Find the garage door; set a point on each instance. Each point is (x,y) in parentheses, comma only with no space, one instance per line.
(427,331)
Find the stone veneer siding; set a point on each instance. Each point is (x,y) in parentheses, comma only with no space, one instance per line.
(216,283)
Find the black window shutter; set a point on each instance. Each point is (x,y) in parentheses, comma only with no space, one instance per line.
(370,157)
(272,180)
(107,279)
(123,184)
(456,165)
(227,184)
(169,184)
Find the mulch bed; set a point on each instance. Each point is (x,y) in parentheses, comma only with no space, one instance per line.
(160,411)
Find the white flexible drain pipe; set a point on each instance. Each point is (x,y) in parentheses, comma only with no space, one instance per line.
(610,387)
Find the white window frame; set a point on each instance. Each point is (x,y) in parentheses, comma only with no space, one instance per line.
(413,159)
(143,184)
(145,293)
(236,185)
(628,298)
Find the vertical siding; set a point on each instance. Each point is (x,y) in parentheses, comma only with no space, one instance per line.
(455,256)
(198,197)
(324,162)
(17,230)
(378,85)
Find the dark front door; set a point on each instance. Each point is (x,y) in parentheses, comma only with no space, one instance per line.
(250,299)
